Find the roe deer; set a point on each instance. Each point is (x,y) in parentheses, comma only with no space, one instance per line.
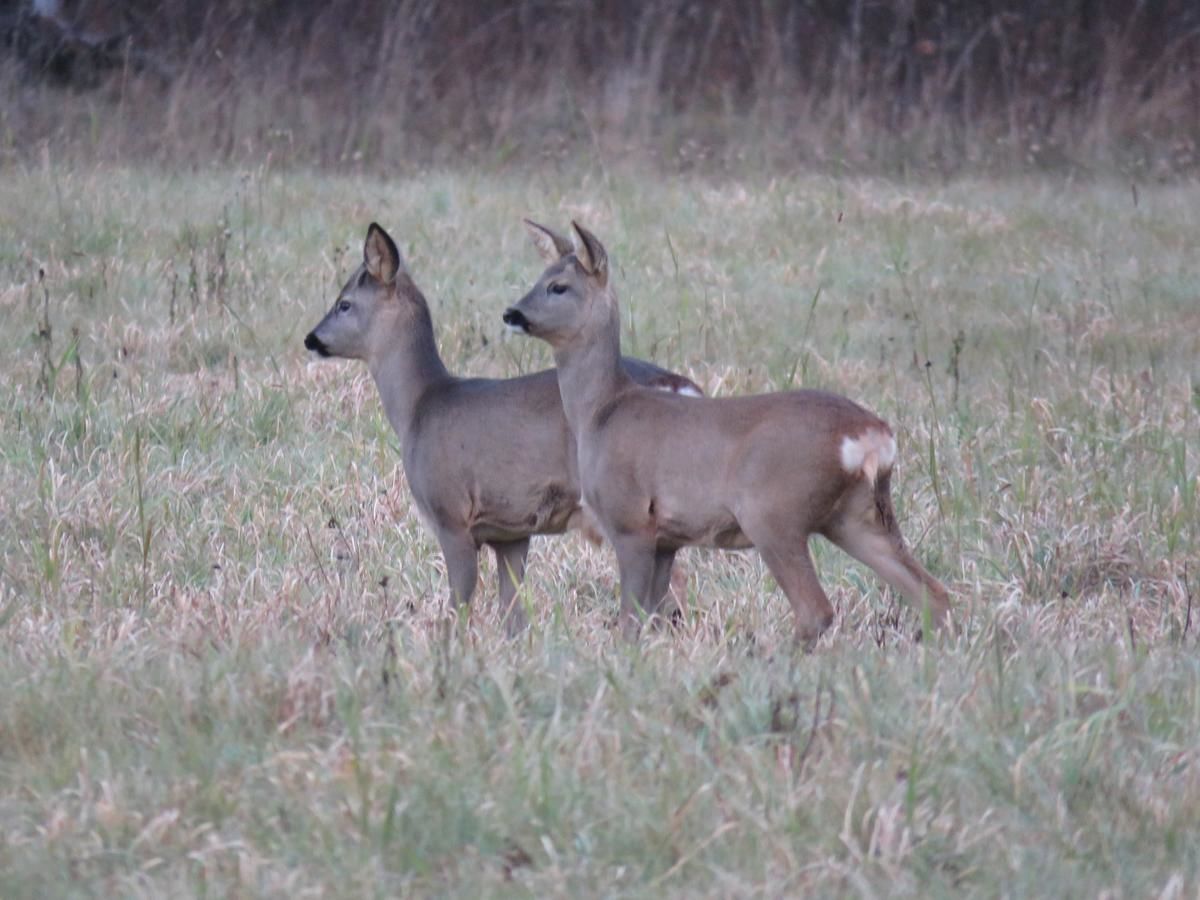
(489,461)
(660,472)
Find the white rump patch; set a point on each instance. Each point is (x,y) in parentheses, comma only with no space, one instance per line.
(686,390)
(872,452)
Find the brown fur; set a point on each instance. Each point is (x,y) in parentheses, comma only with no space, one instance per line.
(489,461)
(664,471)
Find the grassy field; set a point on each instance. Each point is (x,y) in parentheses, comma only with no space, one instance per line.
(220,670)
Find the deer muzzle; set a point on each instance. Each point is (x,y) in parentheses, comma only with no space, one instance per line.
(314,343)
(516,321)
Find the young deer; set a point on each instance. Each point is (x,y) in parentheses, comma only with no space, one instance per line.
(488,461)
(660,472)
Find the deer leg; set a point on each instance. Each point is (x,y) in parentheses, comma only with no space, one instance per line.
(677,590)
(867,530)
(637,562)
(792,566)
(510,571)
(662,583)
(783,544)
(883,552)
(462,560)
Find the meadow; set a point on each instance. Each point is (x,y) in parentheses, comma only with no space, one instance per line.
(222,670)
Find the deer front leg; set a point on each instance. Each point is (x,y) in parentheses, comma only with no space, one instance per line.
(636,561)
(510,571)
(462,561)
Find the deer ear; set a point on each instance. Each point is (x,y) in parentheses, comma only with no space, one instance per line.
(550,244)
(381,256)
(591,254)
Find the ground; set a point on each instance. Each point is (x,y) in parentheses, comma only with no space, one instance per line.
(221,665)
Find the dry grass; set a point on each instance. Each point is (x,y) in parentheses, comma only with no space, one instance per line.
(887,86)
(219,614)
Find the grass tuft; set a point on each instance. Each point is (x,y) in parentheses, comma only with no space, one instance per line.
(225,662)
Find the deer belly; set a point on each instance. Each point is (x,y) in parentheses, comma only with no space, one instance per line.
(717,530)
(546,510)
(731,538)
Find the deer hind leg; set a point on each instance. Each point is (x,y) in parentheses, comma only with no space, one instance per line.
(783,545)
(510,572)
(664,560)
(674,604)
(867,531)
(793,568)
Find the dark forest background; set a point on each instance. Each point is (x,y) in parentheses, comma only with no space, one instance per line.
(874,85)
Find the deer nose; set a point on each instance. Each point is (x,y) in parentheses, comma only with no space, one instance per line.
(515,319)
(312,342)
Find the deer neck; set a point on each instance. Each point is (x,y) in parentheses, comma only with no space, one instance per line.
(590,373)
(405,364)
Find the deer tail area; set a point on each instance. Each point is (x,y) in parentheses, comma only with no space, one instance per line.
(873,453)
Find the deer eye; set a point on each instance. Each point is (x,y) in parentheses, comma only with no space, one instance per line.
(344,306)
(558,288)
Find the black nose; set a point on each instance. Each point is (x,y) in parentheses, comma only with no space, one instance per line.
(514,318)
(312,342)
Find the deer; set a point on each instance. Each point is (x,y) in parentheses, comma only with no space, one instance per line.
(660,472)
(488,461)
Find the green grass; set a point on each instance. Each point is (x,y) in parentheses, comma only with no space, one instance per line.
(221,671)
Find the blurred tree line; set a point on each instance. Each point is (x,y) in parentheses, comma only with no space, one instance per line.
(368,79)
